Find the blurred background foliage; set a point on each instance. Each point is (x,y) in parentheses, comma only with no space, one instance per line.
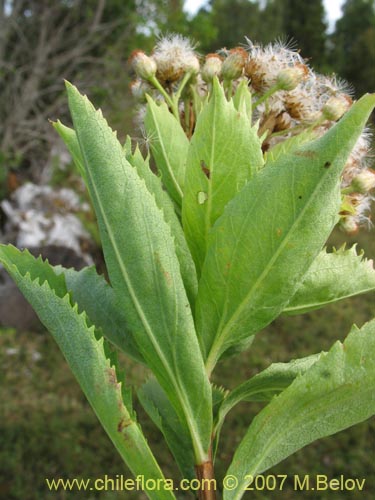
(89,41)
(46,427)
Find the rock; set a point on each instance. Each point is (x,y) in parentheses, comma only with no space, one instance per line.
(43,220)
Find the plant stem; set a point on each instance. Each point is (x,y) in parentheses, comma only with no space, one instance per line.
(181,87)
(206,477)
(155,82)
(265,96)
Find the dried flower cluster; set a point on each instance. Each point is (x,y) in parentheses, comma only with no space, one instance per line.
(290,101)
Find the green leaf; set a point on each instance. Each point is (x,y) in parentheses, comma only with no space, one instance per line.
(169,146)
(242,99)
(270,234)
(87,360)
(225,152)
(159,409)
(335,393)
(266,384)
(37,268)
(163,201)
(69,137)
(289,145)
(88,289)
(218,396)
(333,277)
(144,271)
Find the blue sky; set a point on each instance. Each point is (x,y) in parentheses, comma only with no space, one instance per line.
(333,8)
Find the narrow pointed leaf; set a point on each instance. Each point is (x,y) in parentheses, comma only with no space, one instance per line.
(88,289)
(144,270)
(262,387)
(86,358)
(337,392)
(169,146)
(163,201)
(266,384)
(333,277)
(242,99)
(159,409)
(165,204)
(224,153)
(289,145)
(37,268)
(69,137)
(270,234)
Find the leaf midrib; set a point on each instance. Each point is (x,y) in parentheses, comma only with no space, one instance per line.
(161,142)
(207,221)
(265,272)
(326,302)
(184,403)
(273,441)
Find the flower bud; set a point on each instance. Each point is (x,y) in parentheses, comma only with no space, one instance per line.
(336,106)
(212,67)
(233,65)
(349,224)
(143,65)
(364,181)
(289,78)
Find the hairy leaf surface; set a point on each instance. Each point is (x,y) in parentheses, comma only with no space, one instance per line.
(88,290)
(266,384)
(242,99)
(289,145)
(87,360)
(163,201)
(224,153)
(69,137)
(159,409)
(169,146)
(144,271)
(333,277)
(335,393)
(270,234)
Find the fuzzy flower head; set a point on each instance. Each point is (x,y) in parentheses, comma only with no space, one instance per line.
(336,107)
(331,86)
(266,63)
(359,159)
(355,211)
(174,56)
(364,181)
(300,105)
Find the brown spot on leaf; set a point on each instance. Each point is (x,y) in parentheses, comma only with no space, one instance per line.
(205,169)
(227,268)
(124,422)
(279,232)
(111,374)
(166,274)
